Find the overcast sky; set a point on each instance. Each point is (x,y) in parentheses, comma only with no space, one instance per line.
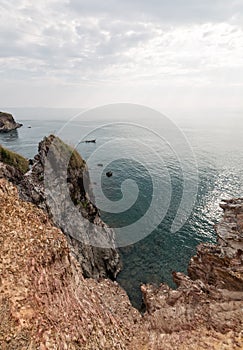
(183,54)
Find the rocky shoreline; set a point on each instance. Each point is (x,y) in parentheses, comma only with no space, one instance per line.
(46,303)
(206,310)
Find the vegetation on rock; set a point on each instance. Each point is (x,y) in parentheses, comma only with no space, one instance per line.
(62,149)
(14,159)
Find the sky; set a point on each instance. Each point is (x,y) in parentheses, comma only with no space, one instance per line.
(184,55)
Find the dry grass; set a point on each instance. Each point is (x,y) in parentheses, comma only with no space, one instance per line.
(14,159)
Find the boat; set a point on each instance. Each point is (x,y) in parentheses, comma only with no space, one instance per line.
(89,141)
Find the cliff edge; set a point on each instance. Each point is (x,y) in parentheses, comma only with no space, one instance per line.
(45,303)
(95,262)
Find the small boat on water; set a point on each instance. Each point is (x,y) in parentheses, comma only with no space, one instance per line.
(89,141)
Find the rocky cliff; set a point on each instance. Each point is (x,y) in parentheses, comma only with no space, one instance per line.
(222,265)
(206,310)
(7,122)
(45,303)
(95,262)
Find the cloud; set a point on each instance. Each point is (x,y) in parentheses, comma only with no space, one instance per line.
(119,43)
(173,11)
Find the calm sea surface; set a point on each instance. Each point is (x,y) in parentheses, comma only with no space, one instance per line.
(218,148)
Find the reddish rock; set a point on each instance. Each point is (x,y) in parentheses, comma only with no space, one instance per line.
(45,303)
(222,265)
(206,310)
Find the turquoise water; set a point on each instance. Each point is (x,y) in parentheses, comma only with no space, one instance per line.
(217,146)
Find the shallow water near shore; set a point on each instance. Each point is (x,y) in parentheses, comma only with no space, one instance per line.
(217,147)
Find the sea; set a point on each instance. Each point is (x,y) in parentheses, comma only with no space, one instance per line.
(133,151)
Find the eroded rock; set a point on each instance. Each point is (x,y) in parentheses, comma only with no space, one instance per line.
(206,310)
(7,122)
(221,265)
(45,303)
(76,215)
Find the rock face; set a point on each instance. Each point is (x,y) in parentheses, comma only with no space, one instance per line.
(206,310)
(95,262)
(7,122)
(222,265)
(45,303)
(11,173)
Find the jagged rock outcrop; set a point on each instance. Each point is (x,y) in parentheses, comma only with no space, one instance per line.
(206,310)
(222,265)
(69,167)
(7,122)
(95,262)
(45,303)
